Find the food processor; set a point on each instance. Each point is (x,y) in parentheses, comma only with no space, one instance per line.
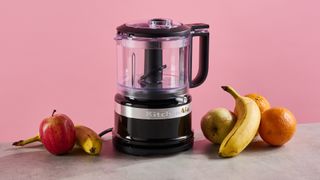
(154,73)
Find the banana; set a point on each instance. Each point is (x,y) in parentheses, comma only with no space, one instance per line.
(88,140)
(27,141)
(246,127)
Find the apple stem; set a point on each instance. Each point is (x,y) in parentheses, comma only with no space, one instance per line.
(27,141)
(54,111)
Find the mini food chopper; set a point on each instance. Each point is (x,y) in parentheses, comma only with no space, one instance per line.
(152,106)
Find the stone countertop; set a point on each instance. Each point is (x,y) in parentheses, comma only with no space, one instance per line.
(298,159)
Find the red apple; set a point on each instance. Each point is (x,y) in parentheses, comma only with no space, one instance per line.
(57,133)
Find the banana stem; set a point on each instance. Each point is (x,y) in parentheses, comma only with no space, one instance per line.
(231,91)
(26,141)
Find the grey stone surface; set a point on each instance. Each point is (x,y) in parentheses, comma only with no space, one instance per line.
(298,159)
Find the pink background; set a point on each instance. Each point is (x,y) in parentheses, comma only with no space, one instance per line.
(61,54)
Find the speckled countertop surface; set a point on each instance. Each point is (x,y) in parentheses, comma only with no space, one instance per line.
(298,159)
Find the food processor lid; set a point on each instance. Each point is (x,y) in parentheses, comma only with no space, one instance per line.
(156,27)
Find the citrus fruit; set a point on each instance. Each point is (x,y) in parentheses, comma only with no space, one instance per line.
(277,126)
(261,101)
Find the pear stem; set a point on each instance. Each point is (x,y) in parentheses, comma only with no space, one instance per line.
(26,141)
(231,91)
(54,111)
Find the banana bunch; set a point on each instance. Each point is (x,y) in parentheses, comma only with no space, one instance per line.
(246,127)
(88,140)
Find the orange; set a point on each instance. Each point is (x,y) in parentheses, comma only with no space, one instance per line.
(261,101)
(277,126)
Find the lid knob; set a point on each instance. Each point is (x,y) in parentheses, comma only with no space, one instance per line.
(160,23)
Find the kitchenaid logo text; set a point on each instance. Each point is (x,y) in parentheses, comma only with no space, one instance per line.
(185,109)
(150,114)
(167,114)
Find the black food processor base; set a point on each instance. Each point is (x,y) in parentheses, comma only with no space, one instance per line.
(147,148)
(152,136)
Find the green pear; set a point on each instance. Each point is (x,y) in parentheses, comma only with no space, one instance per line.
(217,123)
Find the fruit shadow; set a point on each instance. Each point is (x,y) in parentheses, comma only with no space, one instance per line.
(211,150)
(204,147)
(28,146)
(258,145)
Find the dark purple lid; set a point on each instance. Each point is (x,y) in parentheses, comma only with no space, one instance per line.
(156,27)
